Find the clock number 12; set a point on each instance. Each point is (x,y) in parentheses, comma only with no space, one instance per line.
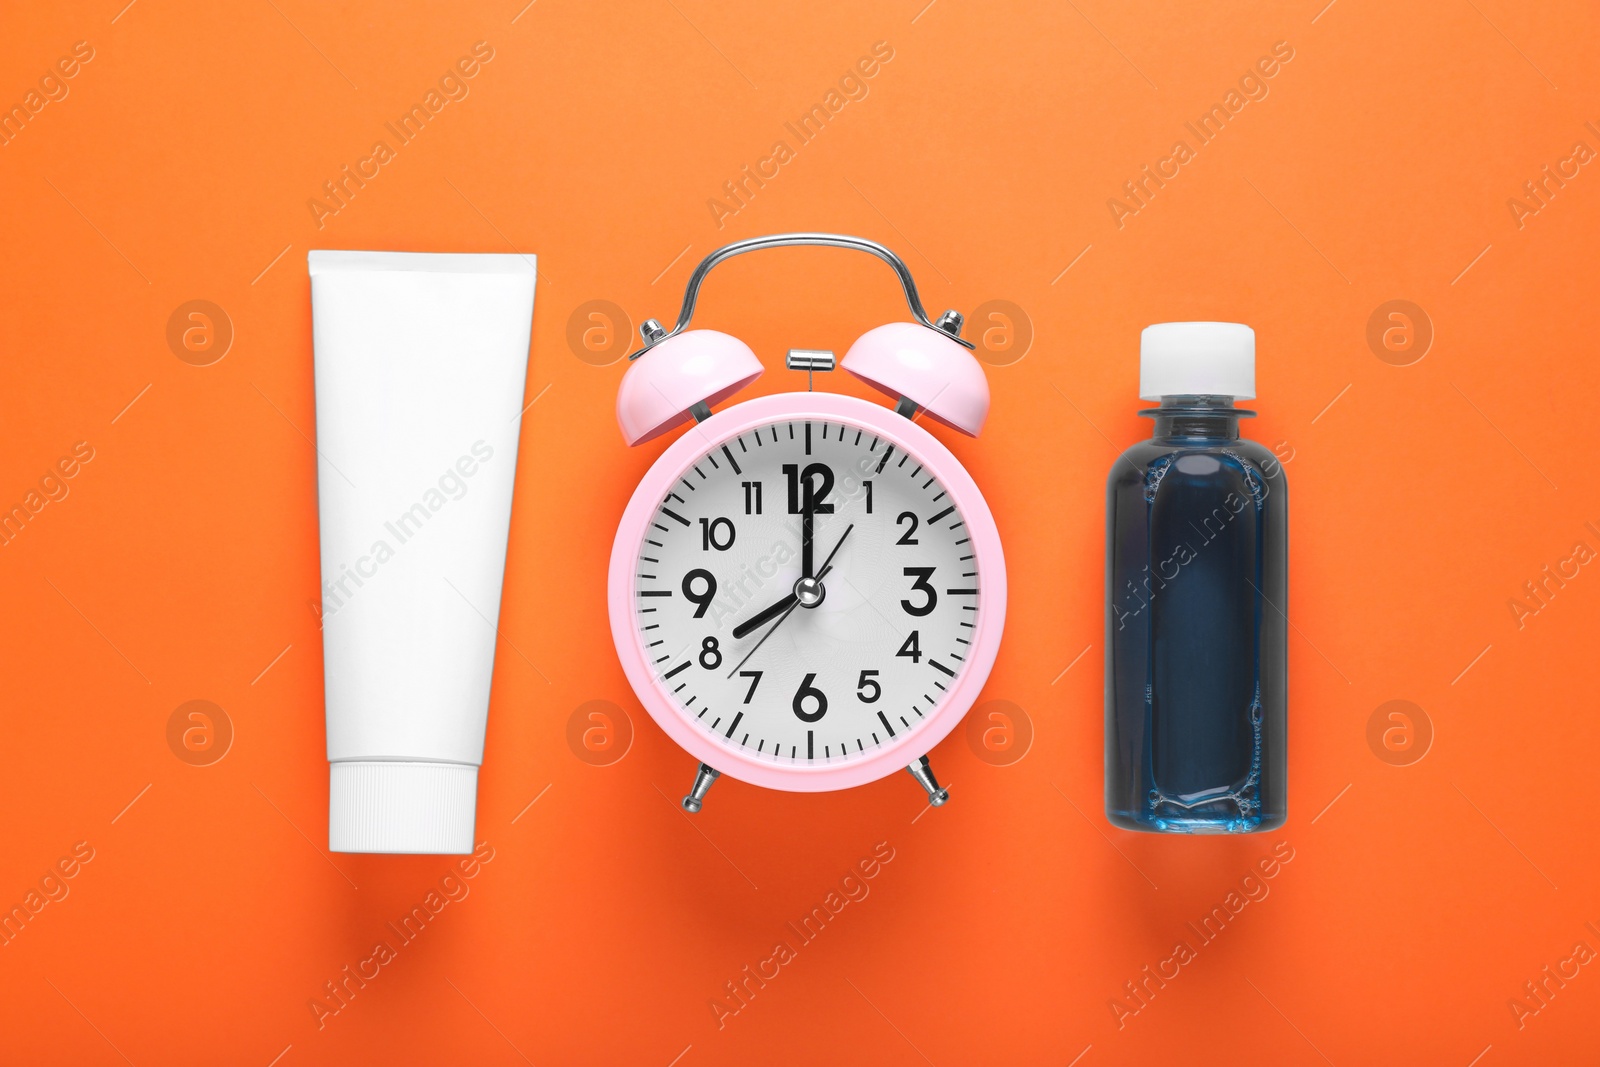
(814,484)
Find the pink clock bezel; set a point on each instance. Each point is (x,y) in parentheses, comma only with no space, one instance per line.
(903,434)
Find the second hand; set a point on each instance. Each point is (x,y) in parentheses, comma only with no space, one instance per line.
(827,565)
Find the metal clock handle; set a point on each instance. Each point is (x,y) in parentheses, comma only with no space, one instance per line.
(654,333)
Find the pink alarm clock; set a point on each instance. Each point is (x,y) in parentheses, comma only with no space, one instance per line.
(807,590)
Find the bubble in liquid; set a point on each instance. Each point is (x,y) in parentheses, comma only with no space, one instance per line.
(1152,479)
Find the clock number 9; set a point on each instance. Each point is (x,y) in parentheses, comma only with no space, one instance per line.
(921,574)
(701,600)
(808,690)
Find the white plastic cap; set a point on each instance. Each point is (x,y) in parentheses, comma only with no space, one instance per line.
(405,807)
(1197,359)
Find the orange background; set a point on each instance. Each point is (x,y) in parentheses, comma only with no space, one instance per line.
(1420,898)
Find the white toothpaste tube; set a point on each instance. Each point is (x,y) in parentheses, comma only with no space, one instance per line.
(420,365)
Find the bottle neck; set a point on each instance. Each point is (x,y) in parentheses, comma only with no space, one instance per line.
(1206,417)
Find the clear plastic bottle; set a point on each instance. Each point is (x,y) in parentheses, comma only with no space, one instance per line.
(1197,537)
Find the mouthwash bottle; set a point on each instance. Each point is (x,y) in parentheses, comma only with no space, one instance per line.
(1197,538)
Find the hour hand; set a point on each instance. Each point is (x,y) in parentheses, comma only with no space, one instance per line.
(764,616)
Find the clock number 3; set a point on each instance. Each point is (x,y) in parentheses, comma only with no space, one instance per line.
(807,690)
(921,574)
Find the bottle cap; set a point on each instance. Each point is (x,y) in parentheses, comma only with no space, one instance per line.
(402,806)
(1197,359)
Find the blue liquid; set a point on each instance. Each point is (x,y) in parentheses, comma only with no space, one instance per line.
(1196,632)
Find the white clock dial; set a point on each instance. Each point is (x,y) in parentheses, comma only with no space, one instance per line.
(746,647)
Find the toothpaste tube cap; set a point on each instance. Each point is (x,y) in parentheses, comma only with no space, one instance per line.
(397,806)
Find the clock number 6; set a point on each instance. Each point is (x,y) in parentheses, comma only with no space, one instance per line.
(808,690)
(921,574)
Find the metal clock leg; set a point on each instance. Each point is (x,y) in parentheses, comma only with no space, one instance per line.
(702,785)
(923,773)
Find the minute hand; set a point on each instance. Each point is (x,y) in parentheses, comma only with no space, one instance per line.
(784,608)
(808,526)
(771,611)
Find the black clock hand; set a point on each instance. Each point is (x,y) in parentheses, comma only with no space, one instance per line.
(765,615)
(808,513)
(786,613)
(786,605)
(827,564)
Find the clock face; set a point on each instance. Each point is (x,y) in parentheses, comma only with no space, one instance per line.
(807,592)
